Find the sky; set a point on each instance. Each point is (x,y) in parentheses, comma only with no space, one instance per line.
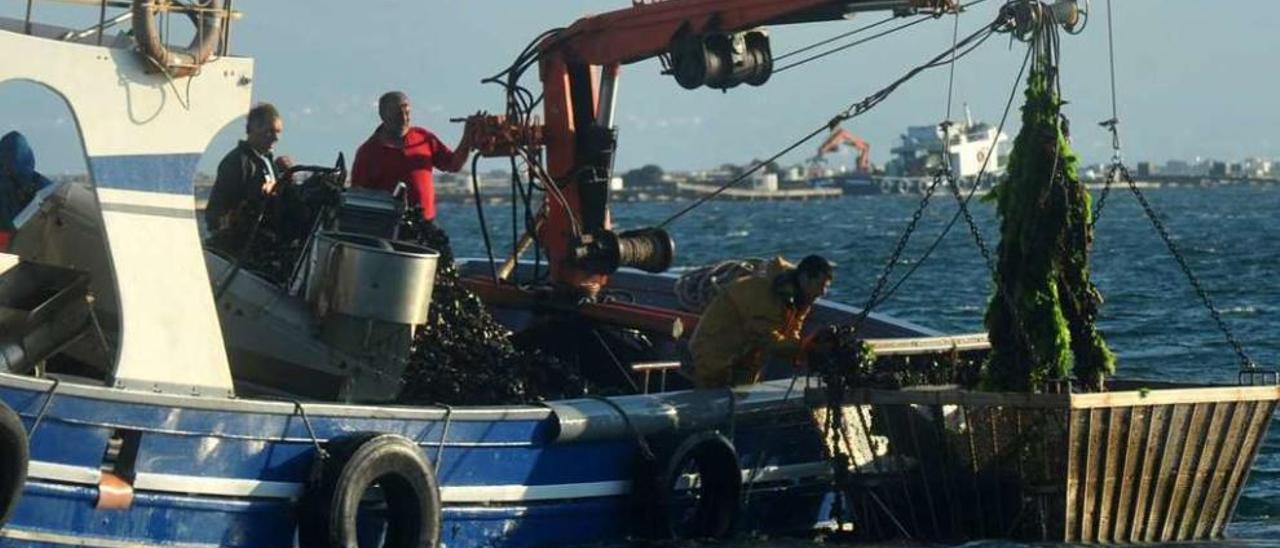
(1196,78)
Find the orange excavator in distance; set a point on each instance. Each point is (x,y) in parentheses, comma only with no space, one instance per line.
(841,136)
(718,44)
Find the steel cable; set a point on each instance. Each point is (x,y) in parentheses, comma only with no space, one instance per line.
(852,111)
(859,30)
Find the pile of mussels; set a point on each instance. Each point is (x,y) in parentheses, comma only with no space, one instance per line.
(465,356)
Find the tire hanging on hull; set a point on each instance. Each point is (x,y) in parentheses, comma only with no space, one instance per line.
(206,15)
(671,507)
(13,461)
(331,505)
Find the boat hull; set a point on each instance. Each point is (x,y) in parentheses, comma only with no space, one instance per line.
(231,473)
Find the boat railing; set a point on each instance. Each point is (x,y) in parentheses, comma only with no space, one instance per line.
(104,22)
(649,368)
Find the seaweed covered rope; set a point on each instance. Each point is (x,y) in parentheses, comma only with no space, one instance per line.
(1042,318)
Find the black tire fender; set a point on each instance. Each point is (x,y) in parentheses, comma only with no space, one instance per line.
(714,514)
(179,62)
(331,503)
(13,461)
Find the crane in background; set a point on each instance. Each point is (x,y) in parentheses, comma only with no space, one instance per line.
(841,136)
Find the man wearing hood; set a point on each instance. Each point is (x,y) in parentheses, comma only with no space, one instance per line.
(755,318)
(19,181)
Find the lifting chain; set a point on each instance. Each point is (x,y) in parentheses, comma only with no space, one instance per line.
(1249,371)
(1246,363)
(968,219)
(1108,180)
(1117,163)
(874,300)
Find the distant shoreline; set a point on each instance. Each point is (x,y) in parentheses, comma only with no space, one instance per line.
(686,192)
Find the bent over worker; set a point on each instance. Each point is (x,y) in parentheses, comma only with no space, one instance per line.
(755,318)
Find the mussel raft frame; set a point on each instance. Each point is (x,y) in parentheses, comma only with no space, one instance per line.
(1142,463)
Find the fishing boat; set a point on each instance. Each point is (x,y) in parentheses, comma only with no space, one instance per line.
(157,393)
(176,426)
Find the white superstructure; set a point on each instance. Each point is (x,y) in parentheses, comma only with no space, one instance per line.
(969,144)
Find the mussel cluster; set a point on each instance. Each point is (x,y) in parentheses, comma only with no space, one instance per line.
(839,355)
(466,357)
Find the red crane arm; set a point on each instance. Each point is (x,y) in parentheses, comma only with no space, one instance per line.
(579,134)
(645,30)
(841,136)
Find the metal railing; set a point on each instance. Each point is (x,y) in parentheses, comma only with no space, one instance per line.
(104,23)
(648,368)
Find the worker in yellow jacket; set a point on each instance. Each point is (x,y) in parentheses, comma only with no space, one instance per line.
(754,318)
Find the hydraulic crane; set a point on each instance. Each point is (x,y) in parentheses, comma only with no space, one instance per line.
(840,136)
(714,43)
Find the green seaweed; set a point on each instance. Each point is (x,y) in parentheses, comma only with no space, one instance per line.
(1042,317)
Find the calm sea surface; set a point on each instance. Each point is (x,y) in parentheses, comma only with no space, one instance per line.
(1151,318)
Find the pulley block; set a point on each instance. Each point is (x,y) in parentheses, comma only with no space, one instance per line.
(722,60)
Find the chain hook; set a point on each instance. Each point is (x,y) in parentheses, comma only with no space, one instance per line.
(1112,125)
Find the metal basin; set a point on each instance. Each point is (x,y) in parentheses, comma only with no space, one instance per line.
(372,278)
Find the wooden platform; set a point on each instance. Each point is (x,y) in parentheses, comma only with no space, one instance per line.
(1144,463)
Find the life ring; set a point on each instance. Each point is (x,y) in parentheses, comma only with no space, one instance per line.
(355,463)
(982,156)
(13,461)
(671,508)
(179,62)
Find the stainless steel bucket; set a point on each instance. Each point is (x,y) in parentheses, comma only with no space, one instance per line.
(373,278)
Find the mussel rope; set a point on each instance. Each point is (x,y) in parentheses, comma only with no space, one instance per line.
(963,202)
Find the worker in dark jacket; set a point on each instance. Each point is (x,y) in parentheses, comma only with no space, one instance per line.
(755,318)
(249,191)
(19,181)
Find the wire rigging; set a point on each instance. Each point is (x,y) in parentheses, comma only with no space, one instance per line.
(835,38)
(838,49)
(961,48)
(920,19)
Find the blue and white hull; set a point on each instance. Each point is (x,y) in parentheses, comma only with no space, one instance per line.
(232,473)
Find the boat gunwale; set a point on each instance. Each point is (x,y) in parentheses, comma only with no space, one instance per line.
(276,407)
(1164,394)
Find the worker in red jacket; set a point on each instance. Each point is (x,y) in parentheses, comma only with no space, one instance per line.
(398,152)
